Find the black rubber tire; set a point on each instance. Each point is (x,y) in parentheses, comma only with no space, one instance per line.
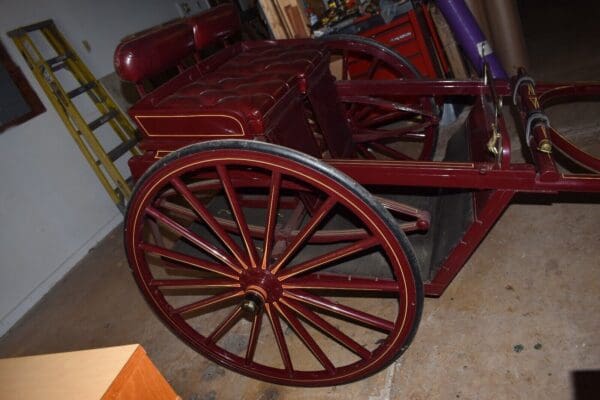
(322,168)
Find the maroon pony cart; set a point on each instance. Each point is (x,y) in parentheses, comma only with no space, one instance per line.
(288,218)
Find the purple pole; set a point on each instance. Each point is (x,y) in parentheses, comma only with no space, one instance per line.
(470,37)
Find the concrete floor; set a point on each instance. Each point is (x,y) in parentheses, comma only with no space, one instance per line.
(520,321)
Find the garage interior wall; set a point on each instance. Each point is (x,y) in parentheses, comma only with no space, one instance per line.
(53,209)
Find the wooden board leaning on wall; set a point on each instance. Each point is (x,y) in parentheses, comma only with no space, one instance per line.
(286,18)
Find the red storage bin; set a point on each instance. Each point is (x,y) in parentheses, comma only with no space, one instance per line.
(413,36)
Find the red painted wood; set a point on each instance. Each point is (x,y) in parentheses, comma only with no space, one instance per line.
(275,283)
(287,103)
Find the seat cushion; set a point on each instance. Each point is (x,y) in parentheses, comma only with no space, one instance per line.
(245,87)
(214,25)
(148,53)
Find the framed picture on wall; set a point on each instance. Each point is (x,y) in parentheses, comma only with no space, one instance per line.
(18,101)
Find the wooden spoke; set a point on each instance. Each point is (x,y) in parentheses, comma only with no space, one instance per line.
(345,73)
(203,185)
(228,225)
(156,235)
(338,282)
(187,260)
(207,217)
(403,208)
(271,218)
(193,283)
(306,338)
(279,338)
(409,133)
(238,214)
(372,68)
(253,339)
(358,112)
(225,325)
(383,118)
(305,232)
(177,209)
(262,201)
(203,282)
(384,104)
(364,151)
(211,301)
(341,310)
(324,326)
(321,236)
(192,237)
(329,258)
(258,232)
(372,61)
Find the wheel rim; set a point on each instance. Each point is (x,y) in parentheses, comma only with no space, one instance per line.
(230,298)
(380,130)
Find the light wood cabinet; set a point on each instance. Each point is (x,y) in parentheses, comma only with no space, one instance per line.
(115,373)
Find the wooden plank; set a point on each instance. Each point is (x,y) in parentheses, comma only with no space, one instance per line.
(301,12)
(293,16)
(140,379)
(284,21)
(87,374)
(449,44)
(270,12)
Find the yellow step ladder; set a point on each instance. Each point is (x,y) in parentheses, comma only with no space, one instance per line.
(50,40)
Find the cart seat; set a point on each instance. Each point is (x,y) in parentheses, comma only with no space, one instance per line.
(235,98)
(146,54)
(254,80)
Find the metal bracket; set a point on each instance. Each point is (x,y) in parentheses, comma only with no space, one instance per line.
(534,119)
(521,81)
(494,145)
(545,146)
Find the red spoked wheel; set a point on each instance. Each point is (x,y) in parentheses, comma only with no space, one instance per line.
(391,127)
(261,258)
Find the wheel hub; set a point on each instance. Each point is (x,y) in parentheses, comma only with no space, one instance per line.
(261,287)
(252,303)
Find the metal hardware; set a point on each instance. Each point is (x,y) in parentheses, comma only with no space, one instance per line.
(545,146)
(494,145)
(252,303)
(534,119)
(401,37)
(520,81)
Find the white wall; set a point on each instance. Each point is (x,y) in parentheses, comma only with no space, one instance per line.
(52,207)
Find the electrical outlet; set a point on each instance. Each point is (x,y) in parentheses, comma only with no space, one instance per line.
(184,8)
(187,8)
(201,5)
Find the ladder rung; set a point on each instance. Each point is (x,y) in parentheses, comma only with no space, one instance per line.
(30,28)
(58,66)
(58,62)
(81,89)
(58,59)
(121,149)
(102,119)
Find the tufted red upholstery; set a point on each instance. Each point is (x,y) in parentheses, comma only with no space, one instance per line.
(147,53)
(214,25)
(234,98)
(151,52)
